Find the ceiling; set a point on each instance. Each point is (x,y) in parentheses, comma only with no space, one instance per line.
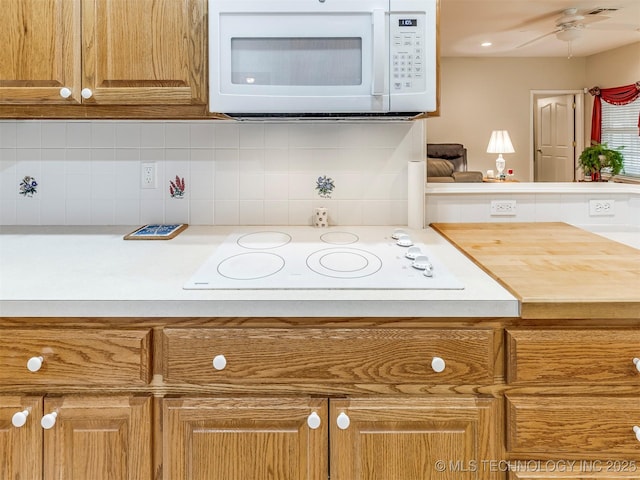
(508,24)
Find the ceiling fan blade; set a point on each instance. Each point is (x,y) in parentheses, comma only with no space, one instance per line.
(590,19)
(537,38)
(544,18)
(614,26)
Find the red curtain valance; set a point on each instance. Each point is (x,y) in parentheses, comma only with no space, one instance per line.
(615,96)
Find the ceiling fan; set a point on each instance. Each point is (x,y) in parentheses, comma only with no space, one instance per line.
(571,24)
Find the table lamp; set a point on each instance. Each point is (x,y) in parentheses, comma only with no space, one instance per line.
(500,143)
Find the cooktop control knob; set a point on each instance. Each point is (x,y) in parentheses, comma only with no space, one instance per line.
(397,232)
(428,271)
(421,262)
(413,252)
(404,240)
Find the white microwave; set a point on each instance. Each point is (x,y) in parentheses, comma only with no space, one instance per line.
(322,57)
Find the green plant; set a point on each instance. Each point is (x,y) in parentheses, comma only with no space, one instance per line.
(598,156)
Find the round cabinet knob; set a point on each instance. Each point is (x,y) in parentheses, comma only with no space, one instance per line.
(636,430)
(34,363)
(343,421)
(636,362)
(219,362)
(65,92)
(86,93)
(313,421)
(438,364)
(49,420)
(20,418)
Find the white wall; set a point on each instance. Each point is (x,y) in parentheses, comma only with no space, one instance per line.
(483,94)
(88,172)
(479,95)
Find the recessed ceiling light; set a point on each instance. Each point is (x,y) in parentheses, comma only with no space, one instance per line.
(486,44)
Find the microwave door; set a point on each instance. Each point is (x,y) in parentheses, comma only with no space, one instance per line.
(301,63)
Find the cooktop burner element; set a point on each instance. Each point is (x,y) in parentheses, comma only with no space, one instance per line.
(250,266)
(311,258)
(339,238)
(344,263)
(264,240)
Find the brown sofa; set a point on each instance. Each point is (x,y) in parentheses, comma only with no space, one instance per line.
(447,163)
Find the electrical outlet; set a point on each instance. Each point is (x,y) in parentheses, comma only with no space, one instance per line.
(601,207)
(148,175)
(503,207)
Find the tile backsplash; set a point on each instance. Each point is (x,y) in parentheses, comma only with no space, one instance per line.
(207,172)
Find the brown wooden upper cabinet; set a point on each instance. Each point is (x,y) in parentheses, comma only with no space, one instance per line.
(103,52)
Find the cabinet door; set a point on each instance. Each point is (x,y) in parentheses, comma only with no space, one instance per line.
(98,438)
(416,439)
(241,439)
(40,51)
(20,447)
(144,51)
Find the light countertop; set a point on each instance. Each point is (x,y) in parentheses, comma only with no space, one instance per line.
(92,271)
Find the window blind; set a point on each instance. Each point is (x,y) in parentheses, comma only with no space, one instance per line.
(620,128)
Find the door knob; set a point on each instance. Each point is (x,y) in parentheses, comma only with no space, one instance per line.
(34,363)
(49,420)
(636,362)
(636,430)
(86,93)
(20,418)
(65,92)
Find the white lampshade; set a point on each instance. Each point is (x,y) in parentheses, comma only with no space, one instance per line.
(500,142)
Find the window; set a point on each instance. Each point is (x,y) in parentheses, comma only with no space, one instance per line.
(620,128)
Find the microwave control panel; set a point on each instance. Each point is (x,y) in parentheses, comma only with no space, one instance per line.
(407,53)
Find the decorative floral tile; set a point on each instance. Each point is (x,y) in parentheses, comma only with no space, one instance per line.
(28,186)
(177,187)
(325,186)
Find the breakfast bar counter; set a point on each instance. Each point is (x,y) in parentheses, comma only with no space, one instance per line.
(554,269)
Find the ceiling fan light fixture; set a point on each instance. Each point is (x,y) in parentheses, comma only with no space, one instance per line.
(568,35)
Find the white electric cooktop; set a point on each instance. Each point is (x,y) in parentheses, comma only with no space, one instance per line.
(324,258)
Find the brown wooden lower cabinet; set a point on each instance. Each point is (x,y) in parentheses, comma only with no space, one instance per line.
(298,438)
(582,470)
(92,437)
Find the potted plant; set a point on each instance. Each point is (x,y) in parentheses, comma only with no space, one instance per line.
(598,156)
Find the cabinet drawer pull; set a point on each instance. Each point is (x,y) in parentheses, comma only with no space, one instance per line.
(49,420)
(34,363)
(219,362)
(636,362)
(65,92)
(20,418)
(343,421)
(86,93)
(636,430)
(438,364)
(313,420)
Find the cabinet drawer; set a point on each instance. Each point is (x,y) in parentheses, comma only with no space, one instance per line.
(573,356)
(70,356)
(328,355)
(557,425)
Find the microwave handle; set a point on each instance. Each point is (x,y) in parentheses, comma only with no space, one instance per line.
(379,53)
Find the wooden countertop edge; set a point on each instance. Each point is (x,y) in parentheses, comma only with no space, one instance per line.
(586,310)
